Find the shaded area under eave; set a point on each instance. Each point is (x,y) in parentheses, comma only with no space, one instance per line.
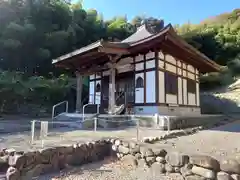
(95,56)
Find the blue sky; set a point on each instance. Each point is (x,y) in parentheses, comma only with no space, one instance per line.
(172,11)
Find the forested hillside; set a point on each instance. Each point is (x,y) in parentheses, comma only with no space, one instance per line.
(34,32)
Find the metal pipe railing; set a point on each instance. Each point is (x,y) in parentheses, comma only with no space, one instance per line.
(58,104)
(90,105)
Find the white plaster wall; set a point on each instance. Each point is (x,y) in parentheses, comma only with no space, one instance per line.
(91,92)
(150,87)
(98,95)
(184,66)
(170,59)
(191,76)
(160,64)
(171,99)
(179,63)
(180,99)
(179,71)
(191,99)
(197,94)
(150,64)
(92,76)
(184,73)
(171,68)
(150,55)
(160,55)
(139,66)
(125,68)
(185,91)
(139,92)
(98,76)
(190,68)
(139,58)
(161,88)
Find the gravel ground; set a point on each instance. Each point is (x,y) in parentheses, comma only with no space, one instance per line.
(106,170)
(219,143)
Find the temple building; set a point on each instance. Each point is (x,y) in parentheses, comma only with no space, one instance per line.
(147,73)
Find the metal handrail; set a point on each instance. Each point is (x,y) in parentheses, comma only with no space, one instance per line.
(89,104)
(58,104)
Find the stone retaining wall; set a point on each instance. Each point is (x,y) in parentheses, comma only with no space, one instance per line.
(26,165)
(194,167)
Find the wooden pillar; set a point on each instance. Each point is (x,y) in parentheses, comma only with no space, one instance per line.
(112,88)
(79,92)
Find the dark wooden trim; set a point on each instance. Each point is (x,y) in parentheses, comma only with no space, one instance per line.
(177,82)
(177,66)
(134,66)
(94,92)
(145,70)
(144,75)
(156,77)
(164,69)
(195,86)
(187,85)
(183,101)
(164,104)
(95,79)
(143,61)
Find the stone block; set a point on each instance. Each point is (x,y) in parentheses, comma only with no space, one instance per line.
(123,150)
(157,168)
(206,173)
(4,163)
(12,174)
(223,176)
(205,162)
(177,159)
(230,166)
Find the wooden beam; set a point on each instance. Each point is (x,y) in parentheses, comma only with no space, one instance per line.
(79,92)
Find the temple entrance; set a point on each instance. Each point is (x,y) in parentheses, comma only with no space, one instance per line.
(124,90)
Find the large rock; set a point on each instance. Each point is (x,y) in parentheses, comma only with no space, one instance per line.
(169,168)
(186,170)
(12,174)
(194,177)
(235,176)
(142,163)
(129,160)
(10,151)
(230,166)
(159,152)
(160,159)
(207,173)
(118,142)
(205,161)
(177,159)
(17,161)
(135,150)
(132,145)
(146,152)
(123,150)
(157,168)
(3,163)
(125,144)
(223,176)
(150,160)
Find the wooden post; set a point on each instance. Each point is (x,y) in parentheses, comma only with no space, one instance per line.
(112,85)
(79,92)
(33,130)
(95,124)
